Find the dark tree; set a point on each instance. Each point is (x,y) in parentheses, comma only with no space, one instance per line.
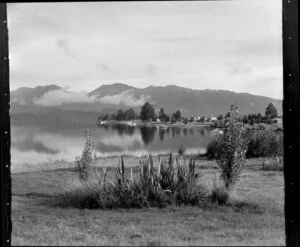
(177,115)
(245,119)
(113,116)
(162,116)
(130,114)
(202,119)
(271,111)
(220,117)
(147,112)
(120,115)
(227,115)
(259,117)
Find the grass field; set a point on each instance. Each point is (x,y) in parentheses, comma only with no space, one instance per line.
(255,215)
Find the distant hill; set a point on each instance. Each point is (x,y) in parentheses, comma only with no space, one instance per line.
(108,98)
(27,95)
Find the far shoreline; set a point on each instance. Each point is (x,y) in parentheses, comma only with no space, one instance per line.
(155,124)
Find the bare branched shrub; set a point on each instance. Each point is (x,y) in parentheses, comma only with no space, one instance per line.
(84,162)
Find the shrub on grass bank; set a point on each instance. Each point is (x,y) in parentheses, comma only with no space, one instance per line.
(260,143)
(264,143)
(213,149)
(173,181)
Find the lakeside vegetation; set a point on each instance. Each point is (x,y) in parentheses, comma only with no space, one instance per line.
(171,183)
(233,194)
(148,113)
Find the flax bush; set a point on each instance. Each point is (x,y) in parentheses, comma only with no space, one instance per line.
(171,181)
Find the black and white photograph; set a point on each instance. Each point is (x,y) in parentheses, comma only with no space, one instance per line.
(146,123)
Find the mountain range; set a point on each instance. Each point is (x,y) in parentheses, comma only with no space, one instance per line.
(108,98)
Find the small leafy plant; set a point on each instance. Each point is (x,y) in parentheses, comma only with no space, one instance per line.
(181,150)
(219,195)
(233,150)
(84,162)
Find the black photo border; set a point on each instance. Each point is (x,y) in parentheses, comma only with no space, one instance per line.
(291,123)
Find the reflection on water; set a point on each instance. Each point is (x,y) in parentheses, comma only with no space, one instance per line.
(33,144)
(147,134)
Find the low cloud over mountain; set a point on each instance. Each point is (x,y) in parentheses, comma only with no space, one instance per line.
(58,97)
(125,98)
(171,98)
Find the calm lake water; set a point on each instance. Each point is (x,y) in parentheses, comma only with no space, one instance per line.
(36,143)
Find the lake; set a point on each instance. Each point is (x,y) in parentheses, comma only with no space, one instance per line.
(38,143)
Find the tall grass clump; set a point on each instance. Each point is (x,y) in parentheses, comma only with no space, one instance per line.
(232,152)
(171,181)
(84,162)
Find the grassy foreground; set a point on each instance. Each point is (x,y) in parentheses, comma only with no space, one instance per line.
(254,217)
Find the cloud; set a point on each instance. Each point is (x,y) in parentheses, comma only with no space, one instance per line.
(59,97)
(65,47)
(125,98)
(238,68)
(270,86)
(29,144)
(150,69)
(103,67)
(266,47)
(124,142)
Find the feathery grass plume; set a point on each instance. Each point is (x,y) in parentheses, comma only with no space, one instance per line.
(121,172)
(131,176)
(98,175)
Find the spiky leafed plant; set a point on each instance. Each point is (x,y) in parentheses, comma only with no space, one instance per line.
(147,176)
(167,174)
(101,180)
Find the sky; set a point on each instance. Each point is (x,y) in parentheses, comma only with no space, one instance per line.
(230,45)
